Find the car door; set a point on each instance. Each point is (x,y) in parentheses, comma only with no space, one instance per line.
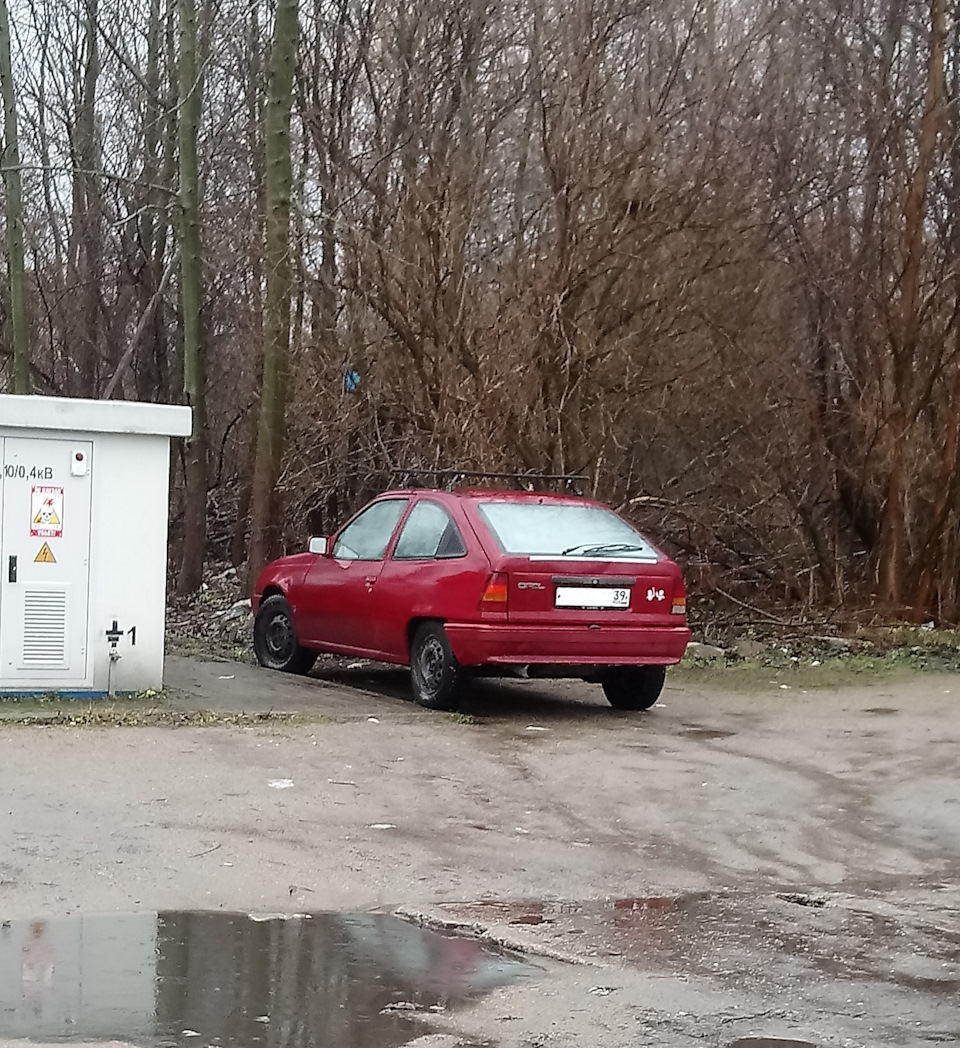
(423,578)
(340,590)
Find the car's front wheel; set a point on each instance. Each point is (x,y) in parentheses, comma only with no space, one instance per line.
(438,679)
(633,687)
(275,638)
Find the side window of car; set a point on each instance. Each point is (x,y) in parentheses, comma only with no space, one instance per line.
(368,536)
(429,533)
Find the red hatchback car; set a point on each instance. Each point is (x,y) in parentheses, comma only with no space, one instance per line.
(463,582)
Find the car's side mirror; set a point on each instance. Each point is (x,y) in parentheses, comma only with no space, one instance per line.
(318,545)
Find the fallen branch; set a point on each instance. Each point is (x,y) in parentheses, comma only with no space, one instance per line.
(756,611)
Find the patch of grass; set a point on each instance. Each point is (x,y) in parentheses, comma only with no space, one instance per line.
(13,707)
(462,718)
(99,714)
(753,675)
(813,662)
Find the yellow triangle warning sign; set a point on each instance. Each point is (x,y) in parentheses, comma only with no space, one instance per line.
(45,556)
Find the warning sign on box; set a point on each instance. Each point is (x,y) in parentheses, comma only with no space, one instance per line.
(46,512)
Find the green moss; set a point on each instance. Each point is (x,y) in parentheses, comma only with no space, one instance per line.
(462,718)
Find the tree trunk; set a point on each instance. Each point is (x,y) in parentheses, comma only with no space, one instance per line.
(253,100)
(934,584)
(151,371)
(88,240)
(191,304)
(915,207)
(14,214)
(266,520)
(905,362)
(890,561)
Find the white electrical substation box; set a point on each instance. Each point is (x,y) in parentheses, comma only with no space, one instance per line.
(83,543)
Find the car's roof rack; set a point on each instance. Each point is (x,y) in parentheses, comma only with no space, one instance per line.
(448,479)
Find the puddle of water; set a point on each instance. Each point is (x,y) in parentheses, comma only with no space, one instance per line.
(770,1042)
(200,978)
(705,734)
(751,940)
(631,927)
(901,968)
(881,711)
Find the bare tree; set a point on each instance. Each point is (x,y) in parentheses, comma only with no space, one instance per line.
(700,252)
(267,523)
(193,553)
(14,214)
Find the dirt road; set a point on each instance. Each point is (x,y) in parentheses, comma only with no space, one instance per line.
(726,866)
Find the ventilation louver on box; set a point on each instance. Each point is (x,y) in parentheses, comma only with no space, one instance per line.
(45,628)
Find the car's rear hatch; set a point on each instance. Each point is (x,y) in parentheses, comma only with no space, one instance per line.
(563,561)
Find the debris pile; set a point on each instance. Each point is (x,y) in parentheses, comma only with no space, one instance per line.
(215,622)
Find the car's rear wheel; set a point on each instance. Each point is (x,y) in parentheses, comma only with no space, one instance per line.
(438,679)
(633,687)
(275,638)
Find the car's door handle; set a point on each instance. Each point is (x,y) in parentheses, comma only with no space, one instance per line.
(12,569)
(370,580)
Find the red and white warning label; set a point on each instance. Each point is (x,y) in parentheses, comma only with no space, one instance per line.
(46,512)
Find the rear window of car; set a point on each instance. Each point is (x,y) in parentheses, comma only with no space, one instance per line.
(564,529)
(429,534)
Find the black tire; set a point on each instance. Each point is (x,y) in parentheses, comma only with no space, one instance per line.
(633,687)
(275,638)
(438,679)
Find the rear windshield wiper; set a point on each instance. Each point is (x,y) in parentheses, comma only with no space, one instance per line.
(609,547)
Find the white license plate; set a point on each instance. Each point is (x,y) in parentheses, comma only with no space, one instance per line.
(591,597)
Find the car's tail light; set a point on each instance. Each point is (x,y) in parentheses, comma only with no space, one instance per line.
(495,595)
(679,601)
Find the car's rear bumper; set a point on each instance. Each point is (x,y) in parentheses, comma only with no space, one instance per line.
(511,645)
